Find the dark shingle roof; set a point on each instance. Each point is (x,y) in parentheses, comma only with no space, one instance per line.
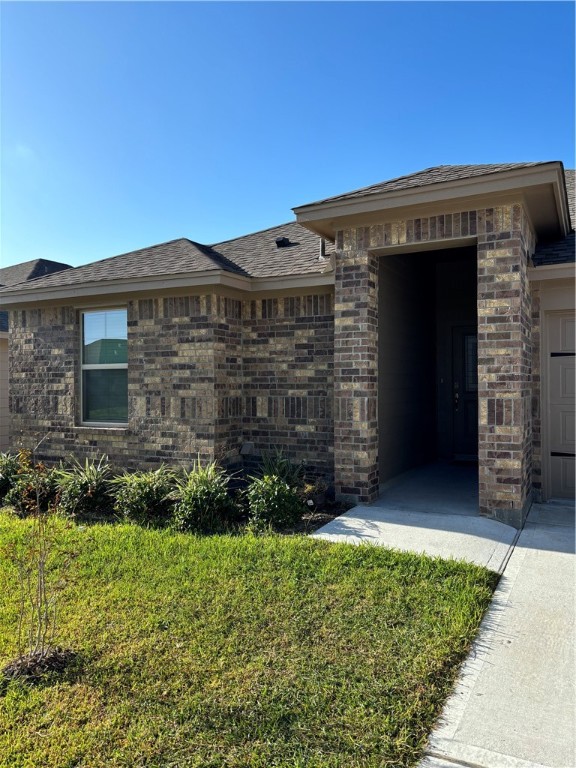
(29,270)
(173,257)
(258,255)
(560,251)
(436,175)
(253,255)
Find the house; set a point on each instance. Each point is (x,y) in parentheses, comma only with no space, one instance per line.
(429,316)
(18,273)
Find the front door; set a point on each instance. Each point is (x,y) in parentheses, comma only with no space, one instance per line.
(561,411)
(465,392)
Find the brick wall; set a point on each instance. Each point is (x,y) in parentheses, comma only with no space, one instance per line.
(205,375)
(356,376)
(210,373)
(504,240)
(288,346)
(536,394)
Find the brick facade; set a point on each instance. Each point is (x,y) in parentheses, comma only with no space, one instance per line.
(206,374)
(209,374)
(356,375)
(288,360)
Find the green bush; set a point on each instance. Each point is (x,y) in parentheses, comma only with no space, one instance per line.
(281,466)
(203,503)
(144,497)
(272,502)
(34,486)
(9,465)
(85,488)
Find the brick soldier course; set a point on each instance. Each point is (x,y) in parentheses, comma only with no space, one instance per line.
(275,344)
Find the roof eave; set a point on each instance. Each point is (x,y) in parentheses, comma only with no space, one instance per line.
(562,271)
(163,283)
(324,218)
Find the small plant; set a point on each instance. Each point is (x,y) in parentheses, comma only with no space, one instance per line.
(42,563)
(35,486)
(272,502)
(85,488)
(202,501)
(144,497)
(281,466)
(313,493)
(9,465)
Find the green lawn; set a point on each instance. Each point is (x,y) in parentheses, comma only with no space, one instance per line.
(240,651)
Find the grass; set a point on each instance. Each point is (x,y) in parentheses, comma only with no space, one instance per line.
(240,651)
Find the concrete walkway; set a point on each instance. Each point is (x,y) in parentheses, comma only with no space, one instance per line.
(514,704)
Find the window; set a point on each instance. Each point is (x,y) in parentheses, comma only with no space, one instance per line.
(105,366)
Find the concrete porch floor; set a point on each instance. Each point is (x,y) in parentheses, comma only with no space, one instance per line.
(432,510)
(443,487)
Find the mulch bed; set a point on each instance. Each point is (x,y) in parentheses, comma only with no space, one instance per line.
(33,667)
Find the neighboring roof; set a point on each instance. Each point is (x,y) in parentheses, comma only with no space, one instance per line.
(21,273)
(437,174)
(560,251)
(28,270)
(255,255)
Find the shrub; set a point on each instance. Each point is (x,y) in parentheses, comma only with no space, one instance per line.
(203,503)
(85,488)
(279,465)
(34,487)
(144,497)
(9,466)
(271,501)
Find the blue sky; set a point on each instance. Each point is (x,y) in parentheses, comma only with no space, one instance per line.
(128,124)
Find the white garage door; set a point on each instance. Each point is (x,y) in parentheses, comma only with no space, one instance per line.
(561,399)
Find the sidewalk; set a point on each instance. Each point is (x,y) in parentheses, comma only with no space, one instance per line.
(514,703)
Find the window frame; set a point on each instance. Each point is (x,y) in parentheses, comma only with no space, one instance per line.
(99,367)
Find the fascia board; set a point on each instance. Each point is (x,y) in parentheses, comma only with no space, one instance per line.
(552,272)
(445,191)
(129,286)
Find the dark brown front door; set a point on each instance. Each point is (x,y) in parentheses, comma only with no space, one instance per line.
(465,392)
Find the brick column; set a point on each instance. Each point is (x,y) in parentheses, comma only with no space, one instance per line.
(356,376)
(504,367)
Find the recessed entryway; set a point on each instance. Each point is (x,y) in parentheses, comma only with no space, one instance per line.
(428,369)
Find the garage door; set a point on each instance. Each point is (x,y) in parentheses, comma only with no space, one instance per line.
(561,410)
